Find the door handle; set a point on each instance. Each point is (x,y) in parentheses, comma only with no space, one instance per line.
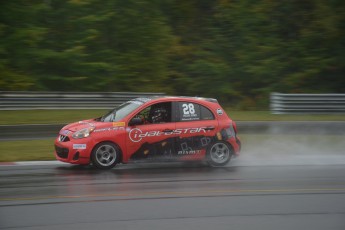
(209,128)
(167,131)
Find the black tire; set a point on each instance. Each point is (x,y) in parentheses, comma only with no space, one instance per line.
(219,153)
(105,155)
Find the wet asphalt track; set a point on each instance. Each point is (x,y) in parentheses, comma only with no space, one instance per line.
(173,196)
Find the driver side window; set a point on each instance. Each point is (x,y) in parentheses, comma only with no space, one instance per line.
(155,114)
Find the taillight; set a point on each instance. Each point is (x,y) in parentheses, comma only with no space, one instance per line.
(235,126)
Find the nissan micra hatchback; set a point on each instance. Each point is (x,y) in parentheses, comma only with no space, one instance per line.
(155,129)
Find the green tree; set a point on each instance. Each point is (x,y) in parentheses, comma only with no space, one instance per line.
(20,36)
(236,51)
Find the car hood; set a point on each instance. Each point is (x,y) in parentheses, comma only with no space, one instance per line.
(73,127)
(76,126)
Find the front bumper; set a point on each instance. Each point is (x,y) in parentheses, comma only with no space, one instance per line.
(74,151)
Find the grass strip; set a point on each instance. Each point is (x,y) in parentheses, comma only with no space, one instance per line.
(47,116)
(27,150)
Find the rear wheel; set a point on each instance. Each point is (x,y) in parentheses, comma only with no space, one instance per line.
(219,153)
(105,155)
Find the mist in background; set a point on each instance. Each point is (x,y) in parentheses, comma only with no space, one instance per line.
(236,51)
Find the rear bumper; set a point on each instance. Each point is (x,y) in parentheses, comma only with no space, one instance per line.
(236,144)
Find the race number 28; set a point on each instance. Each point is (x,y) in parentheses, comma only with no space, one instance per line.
(188,109)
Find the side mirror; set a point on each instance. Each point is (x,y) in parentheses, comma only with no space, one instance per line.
(136,121)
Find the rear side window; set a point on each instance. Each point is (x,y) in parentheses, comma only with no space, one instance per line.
(194,112)
(206,114)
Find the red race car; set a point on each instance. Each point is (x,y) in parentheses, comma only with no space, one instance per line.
(153,128)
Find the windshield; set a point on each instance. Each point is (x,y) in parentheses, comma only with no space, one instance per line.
(121,111)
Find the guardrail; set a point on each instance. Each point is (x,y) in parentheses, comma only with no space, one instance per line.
(281,103)
(66,100)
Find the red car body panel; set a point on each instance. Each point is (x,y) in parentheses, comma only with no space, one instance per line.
(179,139)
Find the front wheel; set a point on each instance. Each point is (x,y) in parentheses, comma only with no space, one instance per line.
(105,155)
(219,153)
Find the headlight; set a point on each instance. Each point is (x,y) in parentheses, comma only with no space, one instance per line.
(83,133)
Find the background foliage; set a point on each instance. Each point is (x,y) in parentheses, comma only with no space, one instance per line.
(236,51)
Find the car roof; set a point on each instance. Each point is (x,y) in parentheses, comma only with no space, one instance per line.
(177,98)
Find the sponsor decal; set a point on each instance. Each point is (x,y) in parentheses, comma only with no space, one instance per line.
(188,112)
(219,111)
(102,130)
(109,129)
(85,122)
(79,146)
(175,147)
(119,124)
(136,135)
(190,152)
